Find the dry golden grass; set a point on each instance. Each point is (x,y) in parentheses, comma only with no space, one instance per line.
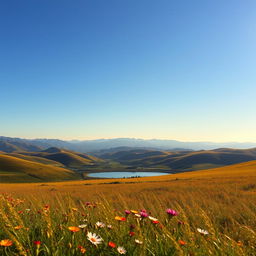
(14,168)
(233,176)
(220,200)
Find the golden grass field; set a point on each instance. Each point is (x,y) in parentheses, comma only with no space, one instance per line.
(221,201)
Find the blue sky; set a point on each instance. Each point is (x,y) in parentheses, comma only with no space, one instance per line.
(87,69)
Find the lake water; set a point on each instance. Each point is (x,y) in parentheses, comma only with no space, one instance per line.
(124,174)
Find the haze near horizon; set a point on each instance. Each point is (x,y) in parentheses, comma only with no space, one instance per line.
(177,70)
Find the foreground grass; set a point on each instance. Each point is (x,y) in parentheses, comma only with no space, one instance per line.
(37,218)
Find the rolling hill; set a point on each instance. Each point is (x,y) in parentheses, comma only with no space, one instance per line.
(67,158)
(36,159)
(60,164)
(12,145)
(14,169)
(181,160)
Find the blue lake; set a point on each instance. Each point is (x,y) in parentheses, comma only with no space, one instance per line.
(124,174)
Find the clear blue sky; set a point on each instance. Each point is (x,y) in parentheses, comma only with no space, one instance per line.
(86,69)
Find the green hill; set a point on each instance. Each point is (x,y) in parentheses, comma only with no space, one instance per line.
(13,169)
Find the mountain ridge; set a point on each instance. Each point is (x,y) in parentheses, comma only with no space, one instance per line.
(86,146)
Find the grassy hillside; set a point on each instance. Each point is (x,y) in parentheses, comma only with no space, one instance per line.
(36,159)
(215,208)
(182,160)
(17,145)
(67,158)
(13,169)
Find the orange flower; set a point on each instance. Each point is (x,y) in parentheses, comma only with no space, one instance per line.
(74,229)
(18,227)
(239,243)
(111,244)
(133,211)
(120,218)
(74,209)
(82,249)
(6,242)
(181,242)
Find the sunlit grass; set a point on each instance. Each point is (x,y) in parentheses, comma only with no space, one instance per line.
(216,216)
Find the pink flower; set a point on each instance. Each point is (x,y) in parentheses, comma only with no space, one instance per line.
(171,212)
(144,214)
(127,212)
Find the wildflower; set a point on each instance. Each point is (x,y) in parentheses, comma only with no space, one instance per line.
(47,207)
(138,241)
(131,233)
(152,218)
(137,215)
(37,243)
(120,218)
(134,212)
(109,226)
(100,224)
(144,214)
(94,239)
(74,209)
(82,226)
(74,229)
(127,212)
(155,222)
(172,212)
(18,227)
(181,242)
(6,243)
(121,250)
(81,248)
(111,244)
(202,231)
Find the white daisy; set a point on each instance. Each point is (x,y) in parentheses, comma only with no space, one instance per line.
(109,226)
(94,239)
(152,218)
(82,226)
(138,241)
(100,224)
(121,250)
(202,231)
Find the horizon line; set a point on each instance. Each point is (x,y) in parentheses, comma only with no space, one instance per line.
(134,138)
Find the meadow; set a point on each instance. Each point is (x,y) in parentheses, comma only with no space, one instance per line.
(209,212)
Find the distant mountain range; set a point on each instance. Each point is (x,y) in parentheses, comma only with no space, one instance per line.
(8,144)
(39,160)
